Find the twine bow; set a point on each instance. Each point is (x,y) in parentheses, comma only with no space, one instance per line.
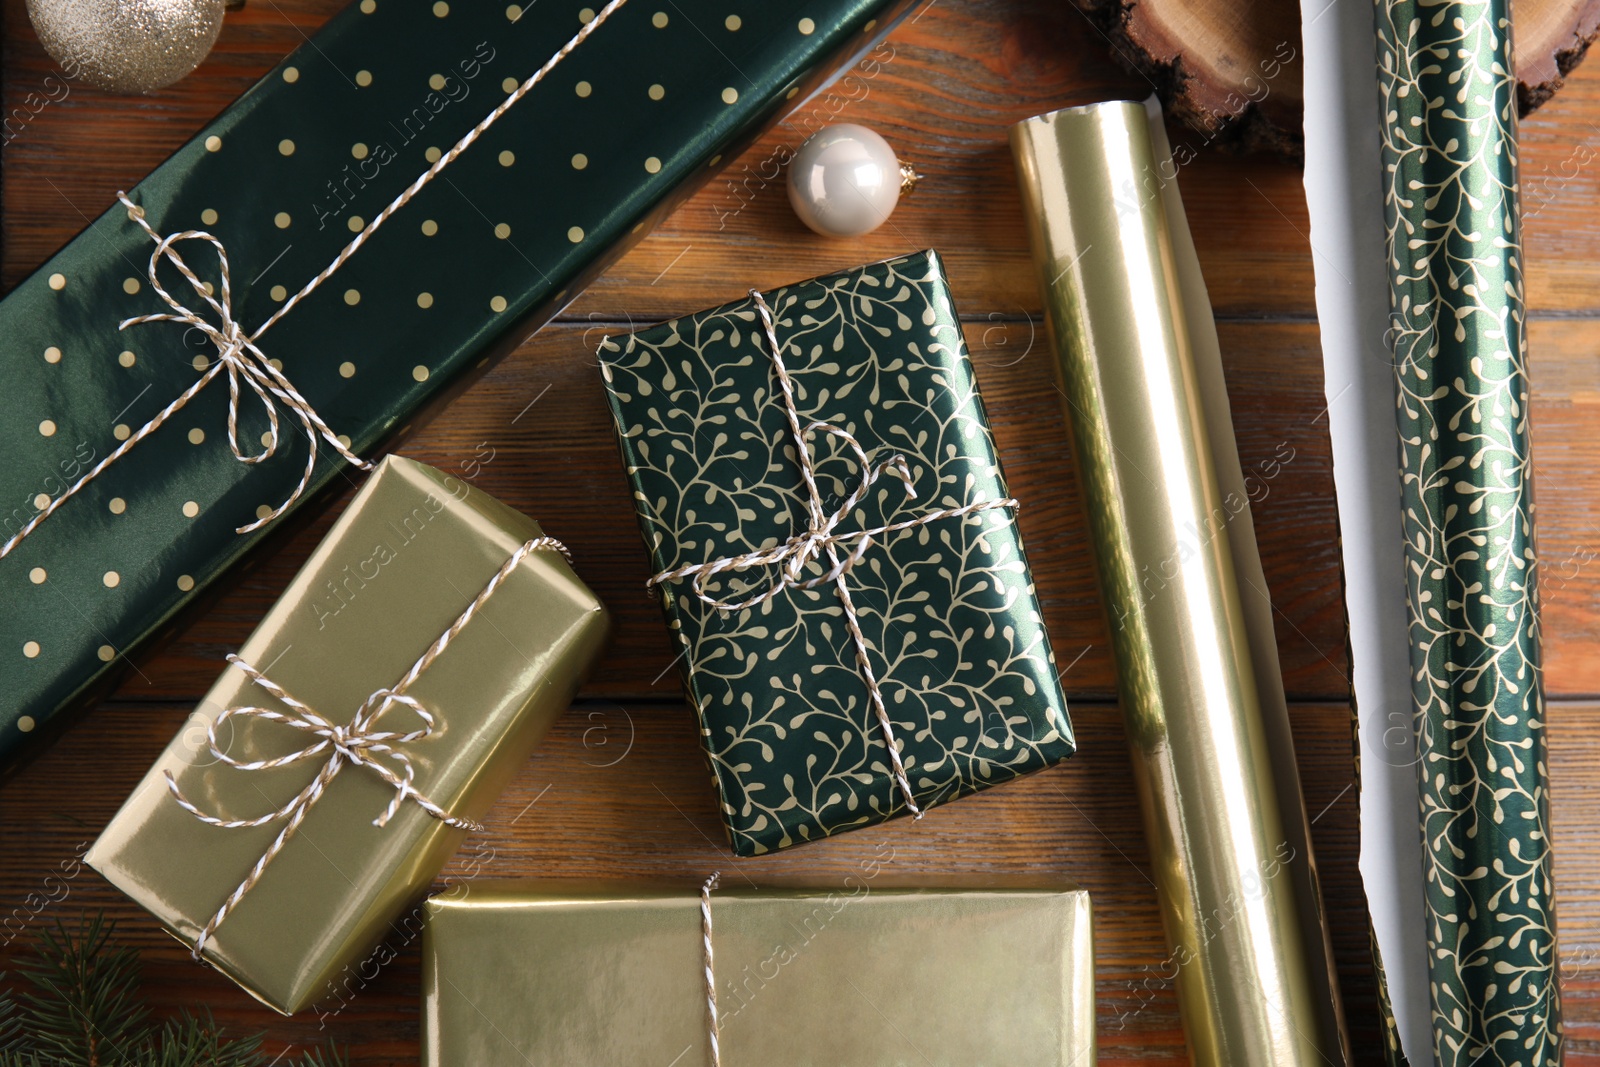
(237,353)
(358,743)
(237,356)
(822,541)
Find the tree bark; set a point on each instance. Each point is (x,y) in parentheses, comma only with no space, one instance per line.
(1231,70)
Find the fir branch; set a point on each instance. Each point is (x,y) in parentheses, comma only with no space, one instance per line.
(81,1007)
(317,1057)
(195,1041)
(85,1006)
(10,1024)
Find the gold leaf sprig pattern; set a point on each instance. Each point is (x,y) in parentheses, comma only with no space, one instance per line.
(1457,331)
(948,608)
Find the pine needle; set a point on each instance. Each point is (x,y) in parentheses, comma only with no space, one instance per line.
(84,1007)
(79,1006)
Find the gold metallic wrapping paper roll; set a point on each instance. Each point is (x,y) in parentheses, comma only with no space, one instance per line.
(1130,323)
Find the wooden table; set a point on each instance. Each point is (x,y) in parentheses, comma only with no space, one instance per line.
(620,790)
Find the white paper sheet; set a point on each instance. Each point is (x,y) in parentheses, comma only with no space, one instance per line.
(1343,181)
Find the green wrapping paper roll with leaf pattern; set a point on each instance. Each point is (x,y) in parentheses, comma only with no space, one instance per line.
(1458,332)
(945,605)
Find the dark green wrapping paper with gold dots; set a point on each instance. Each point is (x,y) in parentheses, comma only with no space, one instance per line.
(1460,348)
(947,607)
(636,116)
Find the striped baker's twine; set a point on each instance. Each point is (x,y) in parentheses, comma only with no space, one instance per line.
(449,157)
(713,1029)
(820,540)
(357,743)
(236,350)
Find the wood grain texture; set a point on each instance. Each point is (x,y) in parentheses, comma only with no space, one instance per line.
(557,461)
(1552,38)
(619,791)
(1231,69)
(944,93)
(535,433)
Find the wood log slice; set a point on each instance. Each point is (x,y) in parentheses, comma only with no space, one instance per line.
(1231,69)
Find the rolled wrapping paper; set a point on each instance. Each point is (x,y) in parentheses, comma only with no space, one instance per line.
(1344,201)
(1460,354)
(1180,576)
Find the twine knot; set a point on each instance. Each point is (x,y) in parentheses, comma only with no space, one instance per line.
(358,742)
(237,356)
(820,542)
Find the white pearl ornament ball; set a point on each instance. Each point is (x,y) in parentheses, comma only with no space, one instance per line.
(845,180)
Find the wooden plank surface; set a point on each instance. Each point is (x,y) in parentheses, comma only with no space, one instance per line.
(943,91)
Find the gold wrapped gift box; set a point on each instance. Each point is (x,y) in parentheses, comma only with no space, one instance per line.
(862,975)
(413,550)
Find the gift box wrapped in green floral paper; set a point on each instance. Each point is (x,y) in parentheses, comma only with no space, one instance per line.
(299,247)
(836,553)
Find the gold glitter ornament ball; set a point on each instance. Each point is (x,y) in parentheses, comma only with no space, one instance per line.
(127,46)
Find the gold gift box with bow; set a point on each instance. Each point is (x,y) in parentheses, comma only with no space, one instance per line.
(343,722)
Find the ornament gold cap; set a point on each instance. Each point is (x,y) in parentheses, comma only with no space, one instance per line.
(908,178)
